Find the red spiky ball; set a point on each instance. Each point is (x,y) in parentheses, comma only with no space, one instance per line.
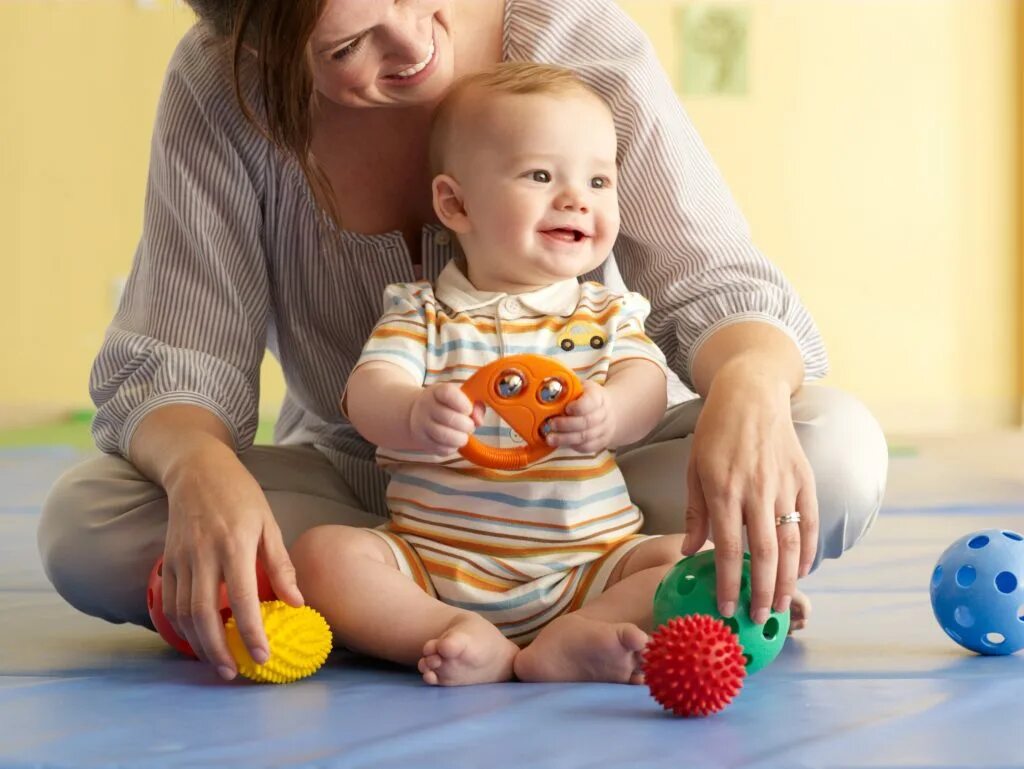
(694,665)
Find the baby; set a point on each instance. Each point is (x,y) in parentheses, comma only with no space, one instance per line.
(483,575)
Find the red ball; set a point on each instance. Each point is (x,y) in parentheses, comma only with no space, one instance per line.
(154,600)
(694,665)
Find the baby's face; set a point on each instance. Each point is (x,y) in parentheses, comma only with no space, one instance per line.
(538,179)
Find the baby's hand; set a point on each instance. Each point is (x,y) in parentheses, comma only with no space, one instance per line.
(443,418)
(589,424)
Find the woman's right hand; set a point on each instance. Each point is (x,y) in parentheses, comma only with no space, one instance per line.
(219,523)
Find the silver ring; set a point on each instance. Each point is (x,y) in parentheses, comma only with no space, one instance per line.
(793,517)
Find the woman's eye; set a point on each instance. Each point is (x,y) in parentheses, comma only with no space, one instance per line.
(540,176)
(349,49)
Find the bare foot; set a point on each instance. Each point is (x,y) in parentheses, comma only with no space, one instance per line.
(577,648)
(470,651)
(799,612)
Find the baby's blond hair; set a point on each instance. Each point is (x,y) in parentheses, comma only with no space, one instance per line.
(507,78)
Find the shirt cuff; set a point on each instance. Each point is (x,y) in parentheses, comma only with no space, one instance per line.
(135,417)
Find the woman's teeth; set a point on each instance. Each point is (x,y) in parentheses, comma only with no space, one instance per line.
(418,67)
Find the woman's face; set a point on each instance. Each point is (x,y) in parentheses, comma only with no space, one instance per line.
(383,53)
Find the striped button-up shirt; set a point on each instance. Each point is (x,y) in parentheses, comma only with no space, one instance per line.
(236,257)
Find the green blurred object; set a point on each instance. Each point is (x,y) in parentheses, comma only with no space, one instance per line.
(713,39)
(74,431)
(689,588)
(82,416)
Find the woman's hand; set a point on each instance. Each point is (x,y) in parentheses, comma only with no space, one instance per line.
(442,418)
(746,469)
(589,423)
(219,523)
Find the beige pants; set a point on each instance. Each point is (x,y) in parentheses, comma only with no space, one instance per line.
(103,524)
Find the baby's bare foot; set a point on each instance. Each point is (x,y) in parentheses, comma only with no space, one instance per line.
(577,648)
(470,651)
(799,611)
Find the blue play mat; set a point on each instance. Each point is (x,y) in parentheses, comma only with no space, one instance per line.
(873,682)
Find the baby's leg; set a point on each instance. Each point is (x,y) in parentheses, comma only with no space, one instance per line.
(351,577)
(604,639)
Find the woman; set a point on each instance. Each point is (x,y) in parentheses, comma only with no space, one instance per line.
(288,185)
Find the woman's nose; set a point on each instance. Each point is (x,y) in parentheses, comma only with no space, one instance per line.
(408,36)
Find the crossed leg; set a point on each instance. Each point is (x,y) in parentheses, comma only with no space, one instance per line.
(605,638)
(351,577)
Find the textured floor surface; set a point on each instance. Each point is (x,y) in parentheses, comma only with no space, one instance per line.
(873,682)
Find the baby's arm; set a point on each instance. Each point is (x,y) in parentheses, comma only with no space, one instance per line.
(637,389)
(391,410)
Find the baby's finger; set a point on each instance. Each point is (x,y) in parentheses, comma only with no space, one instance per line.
(447,417)
(451,395)
(479,410)
(568,424)
(585,404)
(563,439)
(445,439)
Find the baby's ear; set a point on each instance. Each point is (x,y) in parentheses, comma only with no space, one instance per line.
(448,204)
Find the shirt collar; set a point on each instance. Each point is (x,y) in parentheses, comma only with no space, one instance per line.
(454,289)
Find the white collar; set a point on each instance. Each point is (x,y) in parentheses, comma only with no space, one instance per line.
(454,289)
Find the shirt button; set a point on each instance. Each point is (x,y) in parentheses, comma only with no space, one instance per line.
(443,238)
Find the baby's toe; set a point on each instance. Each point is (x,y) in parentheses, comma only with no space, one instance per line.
(452,645)
(632,638)
(432,661)
(430,677)
(430,647)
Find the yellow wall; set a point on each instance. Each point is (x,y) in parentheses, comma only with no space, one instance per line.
(876,157)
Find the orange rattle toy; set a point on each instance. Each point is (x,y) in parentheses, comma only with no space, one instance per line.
(526,391)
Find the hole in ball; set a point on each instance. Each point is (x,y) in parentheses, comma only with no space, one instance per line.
(953,635)
(937,576)
(965,576)
(1013,535)
(963,616)
(1006,582)
(149,598)
(686,586)
(747,659)
(978,542)
(770,629)
(733,625)
(993,639)
(1020,612)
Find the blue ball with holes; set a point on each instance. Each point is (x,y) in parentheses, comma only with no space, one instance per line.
(978,591)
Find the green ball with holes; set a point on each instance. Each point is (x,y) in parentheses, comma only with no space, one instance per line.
(689,588)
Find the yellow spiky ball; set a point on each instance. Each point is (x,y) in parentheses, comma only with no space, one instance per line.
(299,638)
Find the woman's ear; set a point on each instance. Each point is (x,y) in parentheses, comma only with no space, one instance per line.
(448,204)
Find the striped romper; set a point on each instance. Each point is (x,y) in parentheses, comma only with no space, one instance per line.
(518,547)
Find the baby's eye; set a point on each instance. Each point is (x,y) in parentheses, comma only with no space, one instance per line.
(540,176)
(600,182)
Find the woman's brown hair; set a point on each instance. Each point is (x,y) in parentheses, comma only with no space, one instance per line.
(278,31)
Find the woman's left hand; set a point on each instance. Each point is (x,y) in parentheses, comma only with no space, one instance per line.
(746,469)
